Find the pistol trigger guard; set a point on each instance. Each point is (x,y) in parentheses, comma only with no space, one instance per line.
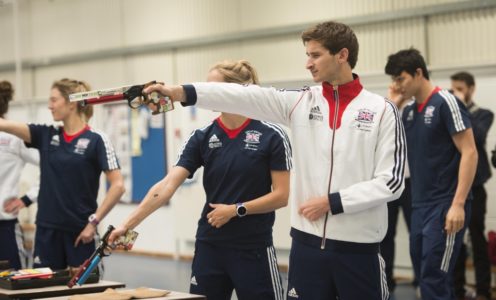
(136,91)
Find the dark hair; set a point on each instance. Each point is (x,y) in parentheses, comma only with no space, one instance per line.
(408,60)
(70,86)
(6,95)
(465,77)
(334,36)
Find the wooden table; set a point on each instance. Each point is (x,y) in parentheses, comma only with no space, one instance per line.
(171,296)
(59,290)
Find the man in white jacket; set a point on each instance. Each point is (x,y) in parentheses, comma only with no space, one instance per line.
(13,156)
(349,158)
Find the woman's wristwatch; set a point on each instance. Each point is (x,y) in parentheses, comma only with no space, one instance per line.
(93,220)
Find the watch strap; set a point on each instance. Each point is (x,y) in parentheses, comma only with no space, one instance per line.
(93,220)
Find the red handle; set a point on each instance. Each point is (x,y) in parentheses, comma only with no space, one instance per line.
(80,271)
(105,99)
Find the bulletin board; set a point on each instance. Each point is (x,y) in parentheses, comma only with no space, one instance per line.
(139,139)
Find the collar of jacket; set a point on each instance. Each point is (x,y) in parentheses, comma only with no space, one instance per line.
(347,91)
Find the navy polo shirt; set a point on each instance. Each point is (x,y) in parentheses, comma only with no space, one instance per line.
(69,175)
(237,166)
(433,157)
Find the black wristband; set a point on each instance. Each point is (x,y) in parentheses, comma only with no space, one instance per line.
(190,92)
(27,202)
(335,203)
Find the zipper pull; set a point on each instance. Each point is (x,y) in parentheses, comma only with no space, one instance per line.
(322,244)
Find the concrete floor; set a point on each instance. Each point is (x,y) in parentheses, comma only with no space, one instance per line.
(162,273)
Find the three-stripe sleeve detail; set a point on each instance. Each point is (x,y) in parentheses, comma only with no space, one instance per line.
(187,141)
(399,152)
(109,150)
(455,110)
(285,140)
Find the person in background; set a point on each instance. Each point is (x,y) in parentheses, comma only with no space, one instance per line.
(246,177)
(349,162)
(442,158)
(463,86)
(13,156)
(404,202)
(72,157)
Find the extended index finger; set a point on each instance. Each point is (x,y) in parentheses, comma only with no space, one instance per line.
(76,243)
(154,88)
(449,226)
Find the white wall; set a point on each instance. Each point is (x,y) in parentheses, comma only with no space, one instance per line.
(88,32)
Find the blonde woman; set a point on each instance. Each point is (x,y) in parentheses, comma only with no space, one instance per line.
(246,177)
(72,158)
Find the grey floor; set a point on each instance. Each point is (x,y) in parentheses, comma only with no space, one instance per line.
(162,273)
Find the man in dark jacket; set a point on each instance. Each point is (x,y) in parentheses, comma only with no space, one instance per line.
(463,86)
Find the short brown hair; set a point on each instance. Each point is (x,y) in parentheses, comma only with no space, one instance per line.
(6,95)
(334,36)
(240,71)
(465,77)
(68,86)
(408,60)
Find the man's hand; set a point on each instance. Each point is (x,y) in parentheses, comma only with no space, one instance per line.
(221,214)
(394,94)
(86,236)
(174,92)
(314,208)
(13,206)
(455,218)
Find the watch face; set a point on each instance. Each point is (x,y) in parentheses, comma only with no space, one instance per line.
(93,220)
(241,210)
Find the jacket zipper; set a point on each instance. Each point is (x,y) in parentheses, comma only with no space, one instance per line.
(334,125)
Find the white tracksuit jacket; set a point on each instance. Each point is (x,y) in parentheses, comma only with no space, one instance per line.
(13,156)
(366,154)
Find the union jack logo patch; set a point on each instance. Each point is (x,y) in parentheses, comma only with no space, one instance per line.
(429,111)
(365,115)
(252,137)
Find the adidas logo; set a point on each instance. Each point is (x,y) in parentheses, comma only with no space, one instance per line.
(55,140)
(37,260)
(292,293)
(410,116)
(213,139)
(214,142)
(193,279)
(315,110)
